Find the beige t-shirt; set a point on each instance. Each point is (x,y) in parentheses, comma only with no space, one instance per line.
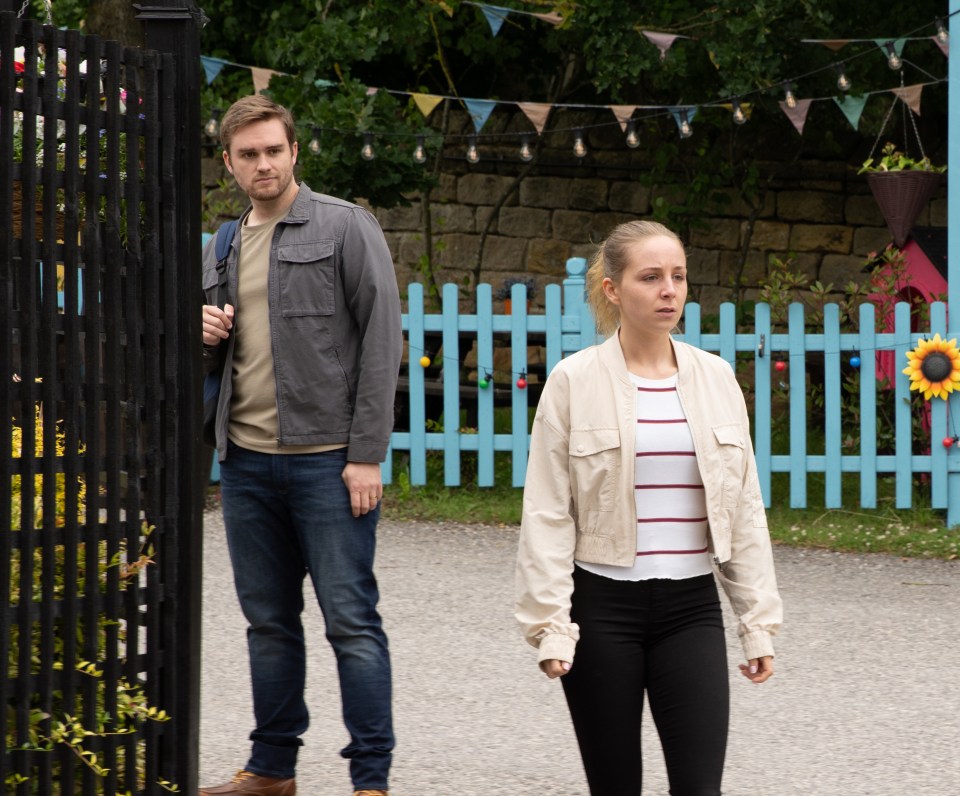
(253,405)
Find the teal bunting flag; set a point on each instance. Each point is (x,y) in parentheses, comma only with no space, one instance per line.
(852,108)
(897,45)
(691,112)
(212,66)
(479,110)
(495,16)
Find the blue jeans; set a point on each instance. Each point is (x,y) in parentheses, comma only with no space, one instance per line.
(285,516)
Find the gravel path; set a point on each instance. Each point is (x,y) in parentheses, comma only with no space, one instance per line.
(866,699)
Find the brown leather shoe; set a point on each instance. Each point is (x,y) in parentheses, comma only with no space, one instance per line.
(246,783)
(368,792)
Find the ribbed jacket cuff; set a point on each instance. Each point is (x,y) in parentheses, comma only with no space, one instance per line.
(556,646)
(758,644)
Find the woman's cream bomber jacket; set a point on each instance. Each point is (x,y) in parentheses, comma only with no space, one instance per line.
(579,501)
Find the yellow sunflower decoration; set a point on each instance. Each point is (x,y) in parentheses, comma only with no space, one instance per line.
(934,367)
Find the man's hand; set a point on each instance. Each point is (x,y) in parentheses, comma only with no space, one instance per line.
(364,485)
(217,323)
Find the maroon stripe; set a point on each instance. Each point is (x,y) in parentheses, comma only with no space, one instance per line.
(678,420)
(670,552)
(669,486)
(672,519)
(656,389)
(667,453)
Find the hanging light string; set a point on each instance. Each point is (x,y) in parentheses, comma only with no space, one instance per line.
(733,102)
(665,111)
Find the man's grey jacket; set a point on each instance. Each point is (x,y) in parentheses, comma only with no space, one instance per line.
(334,327)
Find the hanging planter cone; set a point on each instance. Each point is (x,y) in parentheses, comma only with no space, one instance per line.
(901,196)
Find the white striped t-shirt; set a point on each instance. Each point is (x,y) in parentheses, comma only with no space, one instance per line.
(671,506)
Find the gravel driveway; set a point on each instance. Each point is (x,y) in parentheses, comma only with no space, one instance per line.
(866,699)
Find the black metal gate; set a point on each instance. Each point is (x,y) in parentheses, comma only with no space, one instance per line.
(99,398)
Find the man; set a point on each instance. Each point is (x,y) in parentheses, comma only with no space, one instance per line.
(310,343)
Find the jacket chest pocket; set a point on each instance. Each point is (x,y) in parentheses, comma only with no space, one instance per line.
(595,467)
(306,276)
(731,445)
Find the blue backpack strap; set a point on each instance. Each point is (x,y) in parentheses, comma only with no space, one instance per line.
(224,239)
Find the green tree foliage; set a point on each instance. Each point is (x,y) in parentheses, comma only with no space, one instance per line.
(597,56)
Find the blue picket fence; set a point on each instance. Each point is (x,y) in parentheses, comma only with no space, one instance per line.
(450,389)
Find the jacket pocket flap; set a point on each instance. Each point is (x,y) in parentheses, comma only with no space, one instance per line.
(209,278)
(586,442)
(305,252)
(729,434)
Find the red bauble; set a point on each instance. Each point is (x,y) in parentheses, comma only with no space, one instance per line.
(780,364)
(521,383)
(947,442)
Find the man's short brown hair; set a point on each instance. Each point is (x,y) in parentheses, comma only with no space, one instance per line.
(255,108)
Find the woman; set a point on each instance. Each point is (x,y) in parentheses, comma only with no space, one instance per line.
(641,486)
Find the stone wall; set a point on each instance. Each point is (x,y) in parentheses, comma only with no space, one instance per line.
(823,214)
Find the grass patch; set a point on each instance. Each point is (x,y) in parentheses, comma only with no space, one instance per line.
(915,533)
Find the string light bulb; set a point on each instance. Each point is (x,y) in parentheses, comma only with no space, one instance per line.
(473,155)
(789,98)
(739,117)
(526,153)
(314,145)
(420,153)
(893,60)
(212,127)
(685,129)
(579,146)
(843,82)
(633,140)
(943,35)
(366,152)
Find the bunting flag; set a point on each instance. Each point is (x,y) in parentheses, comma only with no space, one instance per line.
(372,90)
(495,16)
(897,45)
(662,41)
(852,108)
(830,44)
(943,45)
(426,103)
(261,78)
(551,17)
(623,114)
(691,113)
(536,112)
(910,95)
(479,110)
(797,115)
(212,67)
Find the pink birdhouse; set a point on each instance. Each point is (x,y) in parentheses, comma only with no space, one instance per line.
(924,281)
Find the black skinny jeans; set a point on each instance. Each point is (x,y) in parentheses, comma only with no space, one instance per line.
(664,637)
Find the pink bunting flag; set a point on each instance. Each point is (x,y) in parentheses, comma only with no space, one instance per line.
(371,90)
(797,115)
(261,78)
(426,102)
(662,41)
(536,112)
(943,45)
(552,18)
(623,114)
(910,95)
(834,44)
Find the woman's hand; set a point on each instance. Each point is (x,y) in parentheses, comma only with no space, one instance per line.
(554,668)
(758,670)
